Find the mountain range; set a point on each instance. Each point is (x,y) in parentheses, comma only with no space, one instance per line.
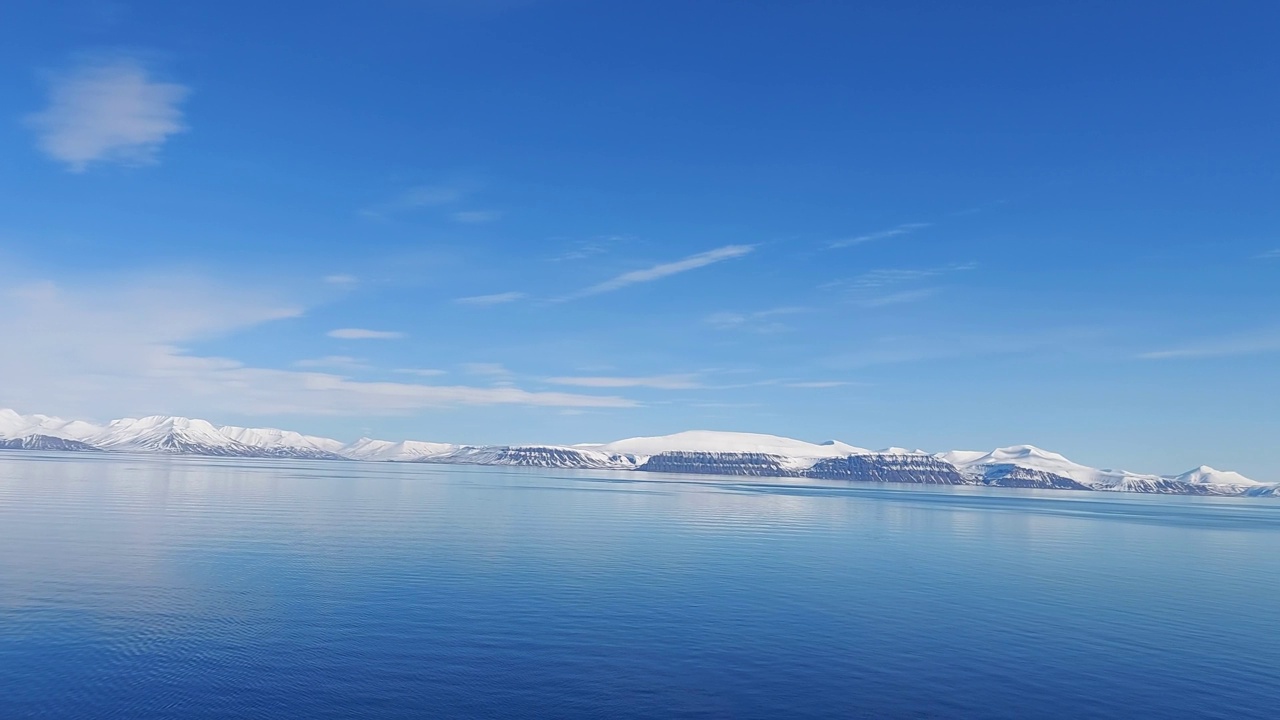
(694,452)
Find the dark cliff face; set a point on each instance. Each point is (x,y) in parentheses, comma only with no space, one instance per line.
(549,457)
(1268,491)
(300,453)
(917,469)
(706,463)
(45,442)
(1169,486)
(1013,476)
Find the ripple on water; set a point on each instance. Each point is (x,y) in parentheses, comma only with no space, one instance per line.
(184,588)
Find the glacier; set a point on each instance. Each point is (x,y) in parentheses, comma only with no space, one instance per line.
(701,452)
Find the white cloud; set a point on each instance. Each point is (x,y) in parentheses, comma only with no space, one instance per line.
(657,272)
(345,362)
(1270,255)
(492,369)
(924,347)
(121,348)
(422,372)
(414,198)
(898,298)
(760,321)
(876,279)
(1253,343)
(495,299)
(818,384)
(363,334)
(477,217)
(108,111)
(903,229)
(342,280)
(876,288)
(662,382)
(595,246)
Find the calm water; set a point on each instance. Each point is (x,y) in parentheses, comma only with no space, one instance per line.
(182,588)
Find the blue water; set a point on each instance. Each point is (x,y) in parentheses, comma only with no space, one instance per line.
(137,587)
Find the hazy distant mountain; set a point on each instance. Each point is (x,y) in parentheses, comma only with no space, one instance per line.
(693,452)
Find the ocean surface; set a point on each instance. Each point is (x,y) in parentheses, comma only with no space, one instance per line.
(152,587)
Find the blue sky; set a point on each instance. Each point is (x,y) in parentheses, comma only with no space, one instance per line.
(936,225)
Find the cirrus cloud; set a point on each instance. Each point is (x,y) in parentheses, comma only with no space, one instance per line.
(663,270)
(661,382)
(108,110)
(364,334)
(123,348)
(487,300)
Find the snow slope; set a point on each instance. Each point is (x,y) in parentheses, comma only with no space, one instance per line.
(1205,475)
(697,451)
(15,426)
(370,449)
(709,441)
(284,443)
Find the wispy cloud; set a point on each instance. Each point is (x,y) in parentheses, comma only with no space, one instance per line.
(344,362)
(1252,343)
(664,270)
(818,384)
(883,287)
(760,321)
(415,198)
(363,334)
(1270,255)
(477,217)
(422,372)
(486,368)
(119,351)
(903,229)
(495,299)
(108,110)
(898,298)
(661,382)
(924,347)
(342,280)
(590,248)
(882,278)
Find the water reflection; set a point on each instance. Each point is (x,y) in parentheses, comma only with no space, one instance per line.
(180,587)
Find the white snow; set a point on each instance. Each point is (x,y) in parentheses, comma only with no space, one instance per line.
(1205,475)
(13,425)
(1034,458)
(178,434)
(146,433)
(709,441)
(271,438)
(370,449)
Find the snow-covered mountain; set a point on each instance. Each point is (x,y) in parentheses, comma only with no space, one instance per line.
(551,456)
(285,443)
(705,441)
(177,435)
(1041,468)
(15,427)
(370,449)
(697,452)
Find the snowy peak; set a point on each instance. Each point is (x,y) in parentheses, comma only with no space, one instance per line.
(1025,453)
(707,441)
(15,426)
(1028,457)
(695,451)
(1205,475)
(407,450)
(159,433)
